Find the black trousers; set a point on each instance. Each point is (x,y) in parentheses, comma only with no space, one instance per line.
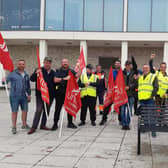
(58,106)
(88,101)
(41,110)
(106,111)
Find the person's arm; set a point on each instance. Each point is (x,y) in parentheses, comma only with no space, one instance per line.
(57,79)
(134,65)
(94,84)
(33,77)
(152,70)
(155,87)
(80,84)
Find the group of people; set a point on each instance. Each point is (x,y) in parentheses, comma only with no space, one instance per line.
(142,87)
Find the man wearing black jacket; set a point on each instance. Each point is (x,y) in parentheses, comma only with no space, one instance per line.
(60,79)
(48,75)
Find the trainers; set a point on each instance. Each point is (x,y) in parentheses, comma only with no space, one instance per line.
(72,125)
(81,123)
(153,134)
(31,131)
(14,130)
(25,127)
(55,127)
(93,123)
(102,122)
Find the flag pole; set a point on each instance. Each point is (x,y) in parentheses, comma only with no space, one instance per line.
(62,119)
(45,108)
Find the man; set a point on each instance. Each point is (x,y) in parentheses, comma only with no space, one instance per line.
(162,80)
(130,85)
(117,66)
(48,75)
(20,94)
(101,87)
(87,83)
(147,88)
(60,79)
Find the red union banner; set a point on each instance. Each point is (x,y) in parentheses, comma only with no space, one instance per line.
(109,97)
(81,61)
(72,103)
(120,95)
(41,84)
(5,58)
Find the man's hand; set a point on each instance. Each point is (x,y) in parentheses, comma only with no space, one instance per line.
(29,98)
(127,88)
(152,56)
(165,95)
(86,84)
(67,77)
(38,71)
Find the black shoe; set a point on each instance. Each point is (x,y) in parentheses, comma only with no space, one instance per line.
(81,123)
(101,113)
(124,128)
(102,122)
(72,125)
(55,127)
(93,123)
(127,127)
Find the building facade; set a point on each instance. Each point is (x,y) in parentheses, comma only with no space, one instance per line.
(106,29)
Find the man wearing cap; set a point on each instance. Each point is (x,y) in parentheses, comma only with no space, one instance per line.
(61,78)
(48,75)
(130,85)
(87,83)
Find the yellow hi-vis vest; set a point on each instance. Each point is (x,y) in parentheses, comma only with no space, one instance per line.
(163,84)
(145,86)
(89,90)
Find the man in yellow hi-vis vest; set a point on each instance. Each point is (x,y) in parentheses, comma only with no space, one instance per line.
(87,83)
(147,88)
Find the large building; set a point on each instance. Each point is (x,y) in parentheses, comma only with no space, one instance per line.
(106,29)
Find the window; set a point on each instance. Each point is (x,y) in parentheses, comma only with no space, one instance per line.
(113,15)
(139,15)
(30,14)
(54,14)
(160,15)
(73,15)
(11,14)
(93,15)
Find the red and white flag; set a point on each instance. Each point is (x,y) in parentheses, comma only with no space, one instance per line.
(120,95)
(109,97)
(5,58)
(72,102)
(41,84)
(81,61)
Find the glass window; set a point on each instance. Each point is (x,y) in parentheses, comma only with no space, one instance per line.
(113,15)
(1,17)
(11,14)
(139,15)
(54,14)
(73,15)
(30,14)
(93,15)
(160,15)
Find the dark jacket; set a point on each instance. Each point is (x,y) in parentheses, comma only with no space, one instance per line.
(49,79)
(20,86)
(130,81)
(61,86)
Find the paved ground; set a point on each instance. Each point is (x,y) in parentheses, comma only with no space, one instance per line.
(87,147)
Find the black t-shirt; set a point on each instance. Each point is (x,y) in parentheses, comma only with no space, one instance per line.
(61,86)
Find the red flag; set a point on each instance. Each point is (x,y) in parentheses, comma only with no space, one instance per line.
(72,102)
(41,84)
(120,95)
(81,61)
(109,97)
(5,58)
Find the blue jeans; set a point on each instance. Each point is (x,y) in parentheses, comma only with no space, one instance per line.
(125,113)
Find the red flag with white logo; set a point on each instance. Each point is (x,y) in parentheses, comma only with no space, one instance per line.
(5,58)
(120,95)
(109,97)
(41,84)
(72,103)
(81,61)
